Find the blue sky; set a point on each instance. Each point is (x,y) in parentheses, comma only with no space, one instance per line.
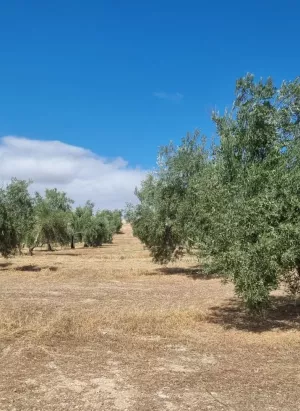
(121,78)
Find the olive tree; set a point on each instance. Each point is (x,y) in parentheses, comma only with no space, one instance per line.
(94,229)
(80,219)
(163,217)
(255,235)
(51,219)
(97,231)
(8,235)
(235,205)
(19,206)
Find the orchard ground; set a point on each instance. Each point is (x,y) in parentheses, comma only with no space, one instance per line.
(106,329)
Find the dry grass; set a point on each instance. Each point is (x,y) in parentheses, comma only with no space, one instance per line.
(106,329)
(83,324)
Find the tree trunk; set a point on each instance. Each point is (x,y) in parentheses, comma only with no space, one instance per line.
(298,266)
(72,242)
(31,248)
(49,247)
(20,249)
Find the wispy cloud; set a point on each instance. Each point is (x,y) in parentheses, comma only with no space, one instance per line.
(81,173)
(174,97)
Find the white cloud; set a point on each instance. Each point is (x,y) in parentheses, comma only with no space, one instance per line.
(78,171)
(174,97)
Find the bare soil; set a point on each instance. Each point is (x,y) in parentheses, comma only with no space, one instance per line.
(106,329)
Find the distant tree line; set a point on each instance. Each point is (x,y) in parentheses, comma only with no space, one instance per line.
(235,204)
(33,221)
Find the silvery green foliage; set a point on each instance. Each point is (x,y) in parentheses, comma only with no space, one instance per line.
(158,220)
(19,205)
(16,216)
(97,231)
(237,205)
(94,229)
(8,236)
(29,220)
(114,218)
(51,219)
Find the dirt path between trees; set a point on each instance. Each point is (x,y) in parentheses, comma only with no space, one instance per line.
(106,329)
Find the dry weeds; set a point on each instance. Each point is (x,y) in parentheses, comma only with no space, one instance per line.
(45,323)
(106,329)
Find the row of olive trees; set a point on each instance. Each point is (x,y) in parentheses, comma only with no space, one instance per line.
(236,205)
(37,220)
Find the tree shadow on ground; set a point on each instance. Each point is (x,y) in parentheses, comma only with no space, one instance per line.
(35,268)
(3,266)
(196,273)
(59,251)
(283,314)
(30,267)
(68,254)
